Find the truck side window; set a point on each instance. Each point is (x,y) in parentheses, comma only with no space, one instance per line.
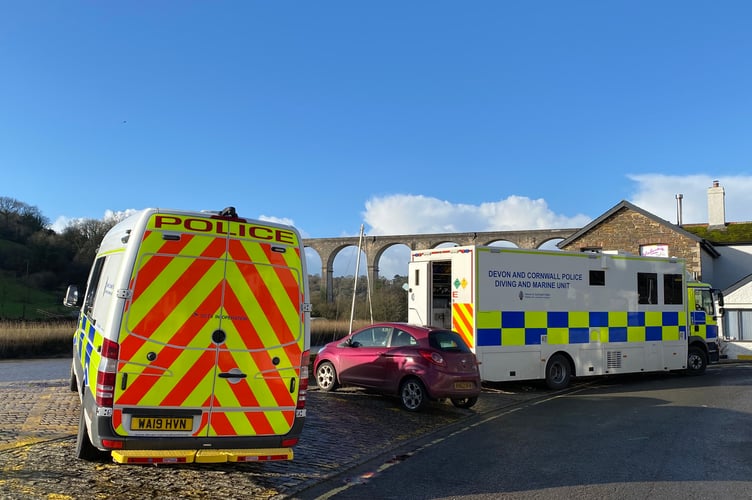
(704,301)
(597,277)
(647,288)
(672,289)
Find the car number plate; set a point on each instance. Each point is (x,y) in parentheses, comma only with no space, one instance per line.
(463,385)
(161,424)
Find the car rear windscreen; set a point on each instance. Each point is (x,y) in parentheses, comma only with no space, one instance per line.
(447,340)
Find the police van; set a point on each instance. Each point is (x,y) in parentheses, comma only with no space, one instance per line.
(553,315)
(193,340)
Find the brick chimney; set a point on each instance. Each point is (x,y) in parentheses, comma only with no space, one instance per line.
(716,207)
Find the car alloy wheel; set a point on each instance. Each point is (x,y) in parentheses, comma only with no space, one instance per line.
(326,376)
(413,394)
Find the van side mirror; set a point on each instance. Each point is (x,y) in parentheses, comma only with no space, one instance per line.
(71,296)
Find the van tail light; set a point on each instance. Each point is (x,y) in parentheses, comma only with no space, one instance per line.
(113,444)
(105,390)
(433,357)
(303,385)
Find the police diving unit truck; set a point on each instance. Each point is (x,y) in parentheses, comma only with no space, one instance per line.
(553,315)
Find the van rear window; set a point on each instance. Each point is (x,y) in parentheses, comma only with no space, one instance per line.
(447,340)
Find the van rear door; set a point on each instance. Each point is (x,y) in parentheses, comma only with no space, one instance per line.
(213,330)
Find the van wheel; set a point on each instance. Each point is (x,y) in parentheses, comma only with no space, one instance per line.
(558,372)
(413,394)
(84,449)
(464,402)
(697,361)
(326,377)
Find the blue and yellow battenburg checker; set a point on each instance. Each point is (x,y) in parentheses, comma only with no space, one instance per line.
(516,328)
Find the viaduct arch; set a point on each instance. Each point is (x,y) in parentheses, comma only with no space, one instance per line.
(375,246)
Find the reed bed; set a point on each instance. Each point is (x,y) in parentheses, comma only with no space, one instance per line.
(326,330)
(32,339)
(35,339)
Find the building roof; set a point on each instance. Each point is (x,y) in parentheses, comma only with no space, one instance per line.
(733,233)
(704,243)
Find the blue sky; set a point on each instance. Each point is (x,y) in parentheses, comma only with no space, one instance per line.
(406,117)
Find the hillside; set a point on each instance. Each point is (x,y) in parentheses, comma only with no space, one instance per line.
(22,302)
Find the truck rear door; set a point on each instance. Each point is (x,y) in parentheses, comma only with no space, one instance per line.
(419,293)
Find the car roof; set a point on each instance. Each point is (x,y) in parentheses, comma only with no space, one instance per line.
(408,327)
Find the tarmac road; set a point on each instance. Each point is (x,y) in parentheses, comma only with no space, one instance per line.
(34,369)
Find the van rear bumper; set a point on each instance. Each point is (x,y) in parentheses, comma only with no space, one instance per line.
(102,435)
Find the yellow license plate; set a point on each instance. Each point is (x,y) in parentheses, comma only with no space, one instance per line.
(161,424)
(463,385)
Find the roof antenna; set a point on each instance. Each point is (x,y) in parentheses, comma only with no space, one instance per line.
(229,212)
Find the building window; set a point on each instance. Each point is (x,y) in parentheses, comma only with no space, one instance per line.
(738,324)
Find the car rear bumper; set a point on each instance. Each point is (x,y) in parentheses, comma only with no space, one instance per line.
(453,386)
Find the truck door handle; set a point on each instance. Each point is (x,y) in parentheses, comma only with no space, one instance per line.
(232,375)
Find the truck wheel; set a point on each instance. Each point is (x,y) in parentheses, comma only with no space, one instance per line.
(84,449)
(558,372)
(413,394)
(464,402)
(697,361)
(326,377)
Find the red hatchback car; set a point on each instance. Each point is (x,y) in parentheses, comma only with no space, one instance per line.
(416,363)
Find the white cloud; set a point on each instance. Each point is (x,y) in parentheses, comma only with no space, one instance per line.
(417,214)
(279,220)
(118,215)
(61,223)
(656,193)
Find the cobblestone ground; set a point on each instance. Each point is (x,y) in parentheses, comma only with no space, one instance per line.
(38,424)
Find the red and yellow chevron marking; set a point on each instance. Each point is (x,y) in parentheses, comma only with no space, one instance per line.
(462,322)
(182,292)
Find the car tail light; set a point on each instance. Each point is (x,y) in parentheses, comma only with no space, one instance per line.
(433,357)
(105,390)
(303,385)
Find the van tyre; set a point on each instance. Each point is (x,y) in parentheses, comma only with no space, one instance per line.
(84,449)
(73,383)
(326,377)
(558,372)
(697,361)
(413,394)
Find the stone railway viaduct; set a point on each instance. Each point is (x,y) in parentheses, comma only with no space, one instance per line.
(375,246)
